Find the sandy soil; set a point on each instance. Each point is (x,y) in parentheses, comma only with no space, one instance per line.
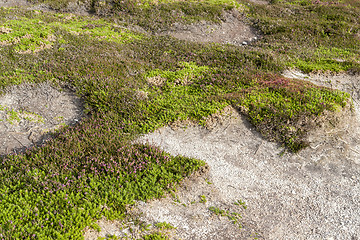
(260,1)
(231,31)
(28,113)
(13,3)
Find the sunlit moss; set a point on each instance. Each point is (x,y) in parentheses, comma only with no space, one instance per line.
(38,33)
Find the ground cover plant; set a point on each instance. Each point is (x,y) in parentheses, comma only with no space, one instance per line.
(133,83)
(311,35)
(92,172)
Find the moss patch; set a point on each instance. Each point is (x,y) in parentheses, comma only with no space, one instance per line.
(35,31)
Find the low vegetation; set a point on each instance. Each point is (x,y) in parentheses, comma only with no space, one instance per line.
(330,41)
(234,217)
(134,83)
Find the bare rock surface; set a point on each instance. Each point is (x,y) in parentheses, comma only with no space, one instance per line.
(232,30)
(29,112)
(314,194)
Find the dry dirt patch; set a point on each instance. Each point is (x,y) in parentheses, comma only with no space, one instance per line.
(260,1)
(81,8)
(13,3)
(29,112)
(230,31)
(189,212)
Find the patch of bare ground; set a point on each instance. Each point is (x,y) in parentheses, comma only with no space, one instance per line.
(262,2)
(129,228)
(13,3)
(29,112)
(314,194)
(189,211)
(231,30)
(76,7)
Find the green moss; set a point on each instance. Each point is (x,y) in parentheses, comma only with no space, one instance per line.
(38,32)
(95,28)
(26,34)
(64,202)
(13,116)
(179,98)
(277,107)
(155,236)
(324,65)
(164,225)
(32,117)
(234,217)
(309,2)
(188,71)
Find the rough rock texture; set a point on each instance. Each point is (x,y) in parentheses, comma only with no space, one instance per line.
(29,112)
